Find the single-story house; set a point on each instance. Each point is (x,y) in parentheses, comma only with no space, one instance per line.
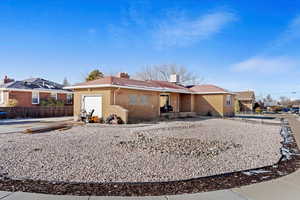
(29,92)
(146,100)
(245,101)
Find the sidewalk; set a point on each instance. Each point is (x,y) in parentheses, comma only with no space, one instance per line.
(19,125)
(287,188)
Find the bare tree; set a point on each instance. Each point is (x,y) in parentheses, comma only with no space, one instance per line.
(285,101)
(163,72)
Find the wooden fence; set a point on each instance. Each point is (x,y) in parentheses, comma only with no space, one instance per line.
(37,112)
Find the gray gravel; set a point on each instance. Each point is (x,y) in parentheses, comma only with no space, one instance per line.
(137,153)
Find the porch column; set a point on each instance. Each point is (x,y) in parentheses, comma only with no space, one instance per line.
(192,103)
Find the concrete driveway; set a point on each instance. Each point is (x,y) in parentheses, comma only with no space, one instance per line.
(18,125)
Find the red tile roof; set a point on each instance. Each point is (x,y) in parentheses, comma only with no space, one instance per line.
(207,89)
(116,81)
(151,85)
(245,95)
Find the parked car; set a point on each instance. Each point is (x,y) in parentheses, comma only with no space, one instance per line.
(3,114)
(295,110)
(286,109)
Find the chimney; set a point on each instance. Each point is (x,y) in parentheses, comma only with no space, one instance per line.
(123,75)
(7,80)
(174,78)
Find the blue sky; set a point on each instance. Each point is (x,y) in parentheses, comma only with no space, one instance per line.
(237,45)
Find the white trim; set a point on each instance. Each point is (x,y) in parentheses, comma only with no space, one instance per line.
(37,90)
(38,97)
(156,89)
(67,95)
(54,93)
(1,97)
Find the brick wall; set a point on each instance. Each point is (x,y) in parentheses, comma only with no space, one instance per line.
(25,98)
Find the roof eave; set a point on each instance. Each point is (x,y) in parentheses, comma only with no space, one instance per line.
(143,88)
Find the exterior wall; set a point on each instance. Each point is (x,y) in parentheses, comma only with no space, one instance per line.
(119,111)
(228,110)
(185,102)
(23,98)
(213,104)
(210,104)
(138,111)
(117,101)
(106,94)
(175,101)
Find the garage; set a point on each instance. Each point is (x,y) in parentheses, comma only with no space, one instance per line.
(93,103)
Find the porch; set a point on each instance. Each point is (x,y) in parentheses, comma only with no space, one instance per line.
(176,105)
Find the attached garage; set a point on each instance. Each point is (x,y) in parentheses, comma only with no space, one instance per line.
(90,103)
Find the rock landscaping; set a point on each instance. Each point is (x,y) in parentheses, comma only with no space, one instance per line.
(173,157)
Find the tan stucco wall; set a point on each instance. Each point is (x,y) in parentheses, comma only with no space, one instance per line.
(228,109)
(185,102)
(106,94)
(201,104)
(175,101)
(119,111)
(138,111)
(215,104)
(211,103)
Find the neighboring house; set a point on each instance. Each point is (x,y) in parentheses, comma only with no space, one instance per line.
(245,101)
(145,100)
(30,92)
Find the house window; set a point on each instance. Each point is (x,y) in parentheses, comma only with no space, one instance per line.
(69,98)
(35,98)
(228,100)
(53,95)
(145,99)
(132,99)
(1,97)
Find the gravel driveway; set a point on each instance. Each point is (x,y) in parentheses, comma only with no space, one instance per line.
(139,153)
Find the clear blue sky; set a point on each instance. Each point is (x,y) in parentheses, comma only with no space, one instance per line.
(237,45)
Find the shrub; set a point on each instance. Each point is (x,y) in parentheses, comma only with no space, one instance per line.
(51,102)
(12,103)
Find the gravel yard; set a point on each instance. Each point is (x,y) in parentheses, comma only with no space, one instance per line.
(140,153)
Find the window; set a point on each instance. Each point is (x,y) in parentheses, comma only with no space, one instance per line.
(228,100)
(35,98)
(1,97)
(132,99)
(53,95)
(69,98)
(145,99)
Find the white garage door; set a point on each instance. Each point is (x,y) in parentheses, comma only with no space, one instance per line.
(93,103)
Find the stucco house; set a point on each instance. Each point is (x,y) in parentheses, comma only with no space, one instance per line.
(245,101)
(29,92)
(146,100)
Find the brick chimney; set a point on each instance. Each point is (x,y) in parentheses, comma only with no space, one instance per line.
(123,75)
(7,80)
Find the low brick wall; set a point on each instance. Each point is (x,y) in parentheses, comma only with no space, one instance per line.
(37,112)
